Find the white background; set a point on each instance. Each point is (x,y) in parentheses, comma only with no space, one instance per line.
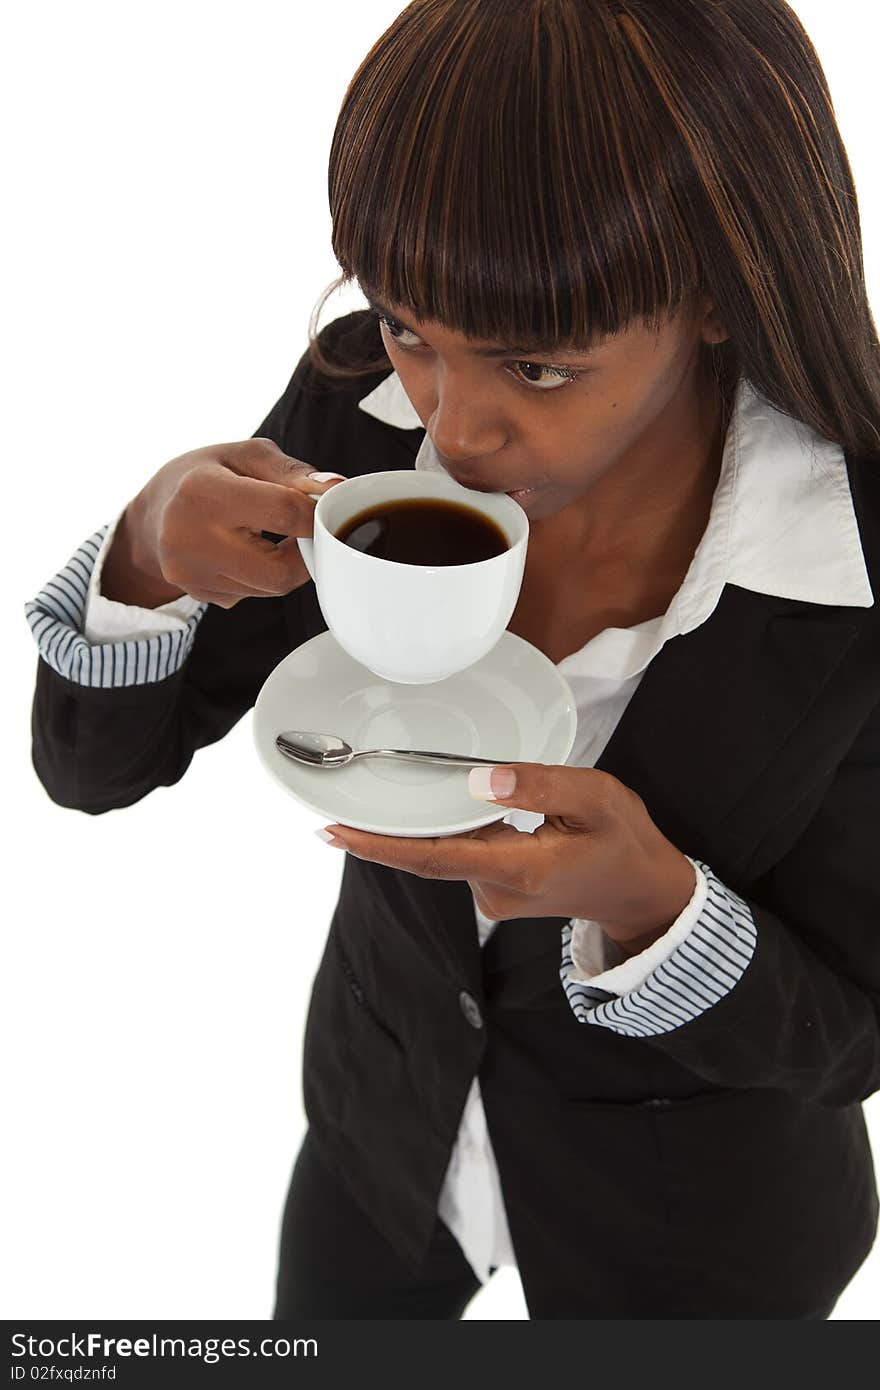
(167,236)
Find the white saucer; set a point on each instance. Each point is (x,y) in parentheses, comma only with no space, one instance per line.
(512,706)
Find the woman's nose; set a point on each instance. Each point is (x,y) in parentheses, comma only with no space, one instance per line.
(463,427)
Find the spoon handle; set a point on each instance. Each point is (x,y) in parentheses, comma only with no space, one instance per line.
(449,759)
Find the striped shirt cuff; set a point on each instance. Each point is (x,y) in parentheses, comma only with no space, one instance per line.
(56,618)
(704,967)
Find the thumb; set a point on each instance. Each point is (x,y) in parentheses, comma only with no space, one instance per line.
(576,794)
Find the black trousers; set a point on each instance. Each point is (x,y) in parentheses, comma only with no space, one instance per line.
(334,1263)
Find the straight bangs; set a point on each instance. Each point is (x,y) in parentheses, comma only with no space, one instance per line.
(502,167)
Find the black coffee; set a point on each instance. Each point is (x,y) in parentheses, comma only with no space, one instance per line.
(414,531)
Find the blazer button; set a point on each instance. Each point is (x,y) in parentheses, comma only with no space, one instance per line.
(470,1009)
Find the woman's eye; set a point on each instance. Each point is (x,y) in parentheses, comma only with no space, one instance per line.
(519,370)
(530,373)
(397,331)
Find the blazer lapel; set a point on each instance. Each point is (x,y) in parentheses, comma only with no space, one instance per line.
(712,713)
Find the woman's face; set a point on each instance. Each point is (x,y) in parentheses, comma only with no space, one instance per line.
(504,419)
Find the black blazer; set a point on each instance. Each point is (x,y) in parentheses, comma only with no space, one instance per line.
(719,1170)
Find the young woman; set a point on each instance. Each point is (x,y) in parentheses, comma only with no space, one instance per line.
(613,258)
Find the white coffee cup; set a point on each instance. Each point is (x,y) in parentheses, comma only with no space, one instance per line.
(413,623)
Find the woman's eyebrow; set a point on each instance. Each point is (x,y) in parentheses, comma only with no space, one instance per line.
(482,352)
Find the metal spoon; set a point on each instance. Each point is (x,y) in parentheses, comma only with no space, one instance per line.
(326,750)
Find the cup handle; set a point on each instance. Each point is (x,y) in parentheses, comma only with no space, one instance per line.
(307,550)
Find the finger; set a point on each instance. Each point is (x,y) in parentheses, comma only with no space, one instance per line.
(508,860)
(226,570)
(254,505)
(490,905)
(583,797)
(236,587)
(206,584)
(212,596)
(316,484)
(262,567)
(480,900)
(261,458)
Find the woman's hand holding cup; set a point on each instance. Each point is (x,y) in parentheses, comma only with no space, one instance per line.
(196,526)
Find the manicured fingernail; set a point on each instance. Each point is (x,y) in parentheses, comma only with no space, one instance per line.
(490,783)
(329,839)
(326,477)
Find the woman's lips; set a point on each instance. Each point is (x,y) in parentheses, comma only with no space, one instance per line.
(477,486)
(521,494)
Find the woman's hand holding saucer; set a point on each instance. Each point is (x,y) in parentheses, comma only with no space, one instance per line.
(598,855)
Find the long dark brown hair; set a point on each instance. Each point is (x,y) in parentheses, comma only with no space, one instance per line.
(551,171)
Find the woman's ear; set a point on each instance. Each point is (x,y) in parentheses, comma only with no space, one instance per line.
(712,330)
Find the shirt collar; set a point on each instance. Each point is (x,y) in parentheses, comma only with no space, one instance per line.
(782,523)
(390,404)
